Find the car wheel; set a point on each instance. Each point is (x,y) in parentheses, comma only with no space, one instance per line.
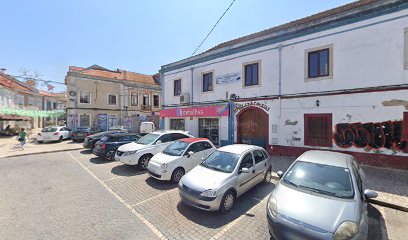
(177,174)
(227,202)
(268,176)
(110,156)
(144,161)
(60,139)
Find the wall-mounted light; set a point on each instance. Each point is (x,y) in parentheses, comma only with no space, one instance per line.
(317,103)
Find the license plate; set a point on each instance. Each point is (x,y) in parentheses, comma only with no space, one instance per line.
(293,236)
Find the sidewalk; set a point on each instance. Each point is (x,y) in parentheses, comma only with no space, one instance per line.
(10,147)
(390,184)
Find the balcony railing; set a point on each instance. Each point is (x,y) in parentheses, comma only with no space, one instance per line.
(146,107)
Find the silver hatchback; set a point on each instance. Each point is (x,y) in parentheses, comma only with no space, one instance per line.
(224,175)
(321,196)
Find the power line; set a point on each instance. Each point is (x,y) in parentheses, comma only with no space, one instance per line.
(212,29)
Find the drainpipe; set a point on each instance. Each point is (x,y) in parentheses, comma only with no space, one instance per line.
(192,86)
(280,46)
(162,98)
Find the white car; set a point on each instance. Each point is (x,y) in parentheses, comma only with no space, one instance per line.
(179,158)
(141,151)
(57,133)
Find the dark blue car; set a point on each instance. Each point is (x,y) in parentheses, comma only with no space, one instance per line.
(107,146)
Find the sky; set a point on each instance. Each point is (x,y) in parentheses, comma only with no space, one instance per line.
(141,36)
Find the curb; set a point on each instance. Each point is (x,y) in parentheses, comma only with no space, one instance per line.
(374,201)
(38,153)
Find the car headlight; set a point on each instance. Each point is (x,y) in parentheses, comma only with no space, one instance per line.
(164,165)
(209,193)
(346,230)
(272,206)
(129,153)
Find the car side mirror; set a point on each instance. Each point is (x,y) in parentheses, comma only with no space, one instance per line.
(244,170)
(190,153)
(370,194)
(280,174)
(158,142)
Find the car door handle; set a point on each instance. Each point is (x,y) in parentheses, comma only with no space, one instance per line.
(253,171)
(265,164)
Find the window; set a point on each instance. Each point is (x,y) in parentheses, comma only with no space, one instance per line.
(251,74)
(48,105)
(85,97)
(206,145)
(133,99)
(208,128)
(84,120)
(259,157)
(177,87)
(193,148)
(177,124)
(156,100)
(207,82)
(177,136)
(20,100)
(247,161)
(166,138)
(111,99)
(30,101)
(39,103)
(54,105)
(318,130)
(145,100)
(318,63)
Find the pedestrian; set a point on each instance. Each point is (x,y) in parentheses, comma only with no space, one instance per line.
(22,138)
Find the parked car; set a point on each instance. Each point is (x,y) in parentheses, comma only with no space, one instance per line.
(179,158)
(321,196)
(80,134)
(107,146)
(224,175)
(147,127)
(57,133)
(90,140)
(140,152)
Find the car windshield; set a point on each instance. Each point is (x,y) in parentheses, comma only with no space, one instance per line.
(320,178)
(49,130)
(176,148)
(221,161)
(148,139)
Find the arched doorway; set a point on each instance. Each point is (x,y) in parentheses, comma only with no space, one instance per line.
(253,126)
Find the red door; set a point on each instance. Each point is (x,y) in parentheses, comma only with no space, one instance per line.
(253,127)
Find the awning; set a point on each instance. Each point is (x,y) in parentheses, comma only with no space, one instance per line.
(14,118)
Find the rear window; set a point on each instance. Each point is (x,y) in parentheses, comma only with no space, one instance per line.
(109,139)
(49,130)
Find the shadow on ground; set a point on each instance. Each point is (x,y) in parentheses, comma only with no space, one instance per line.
(160,185)
(242,205)
(127,170)
(98,160)
(377,229)
(86,151)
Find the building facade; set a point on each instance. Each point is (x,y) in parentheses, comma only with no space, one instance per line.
(52,102)
(16,95)
(337,80)
(98,97)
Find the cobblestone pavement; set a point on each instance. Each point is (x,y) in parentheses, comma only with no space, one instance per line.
(109,200)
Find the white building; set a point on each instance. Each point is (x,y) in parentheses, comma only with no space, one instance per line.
(336,80)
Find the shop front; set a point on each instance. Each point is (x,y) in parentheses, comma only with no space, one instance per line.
(202,121)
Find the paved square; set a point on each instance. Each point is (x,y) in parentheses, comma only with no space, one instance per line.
(74,195)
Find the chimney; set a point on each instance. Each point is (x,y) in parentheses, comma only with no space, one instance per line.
(3,70)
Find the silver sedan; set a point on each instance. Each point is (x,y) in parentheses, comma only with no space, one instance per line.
(321,196)
(224,175)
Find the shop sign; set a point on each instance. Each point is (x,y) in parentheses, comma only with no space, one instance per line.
(228,78)
(210,111)
(239,106)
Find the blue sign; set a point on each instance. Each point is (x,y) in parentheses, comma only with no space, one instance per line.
(103,121)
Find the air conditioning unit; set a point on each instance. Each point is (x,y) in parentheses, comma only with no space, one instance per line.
(185,98)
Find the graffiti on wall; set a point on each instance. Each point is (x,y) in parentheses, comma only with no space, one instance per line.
(371,135)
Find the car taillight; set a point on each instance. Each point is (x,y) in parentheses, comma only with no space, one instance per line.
(104,146)
(56,133)
(88,133)
(73,134)
(39,134)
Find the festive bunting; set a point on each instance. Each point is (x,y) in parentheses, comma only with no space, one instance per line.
(32,113)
